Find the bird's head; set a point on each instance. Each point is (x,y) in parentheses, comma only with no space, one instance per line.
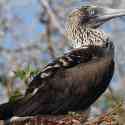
(83,23)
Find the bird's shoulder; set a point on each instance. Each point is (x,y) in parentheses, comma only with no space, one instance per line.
(68,60)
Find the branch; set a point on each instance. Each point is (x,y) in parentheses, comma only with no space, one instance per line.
(50,120)
(54,19)
(49,39)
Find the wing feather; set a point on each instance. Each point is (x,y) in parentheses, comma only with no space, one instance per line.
(69,88)
(69,60)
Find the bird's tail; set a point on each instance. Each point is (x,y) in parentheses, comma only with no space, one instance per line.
(6,111)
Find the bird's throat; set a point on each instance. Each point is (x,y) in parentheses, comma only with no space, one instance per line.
(83,37)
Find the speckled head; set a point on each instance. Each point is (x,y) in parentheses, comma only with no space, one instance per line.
(83,23)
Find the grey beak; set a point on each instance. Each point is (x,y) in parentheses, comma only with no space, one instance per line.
(108,14)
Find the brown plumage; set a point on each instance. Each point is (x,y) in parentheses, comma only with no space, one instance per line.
(70,89)
(74,81)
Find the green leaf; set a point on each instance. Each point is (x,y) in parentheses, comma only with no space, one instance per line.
(26,73)
(16,95)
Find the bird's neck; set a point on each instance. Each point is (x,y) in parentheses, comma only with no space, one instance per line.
(93,39)
(82,37)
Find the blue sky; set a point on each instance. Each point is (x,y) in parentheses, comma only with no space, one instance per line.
(30,27)
(28,12)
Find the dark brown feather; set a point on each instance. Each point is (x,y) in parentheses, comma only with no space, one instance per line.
(70,88)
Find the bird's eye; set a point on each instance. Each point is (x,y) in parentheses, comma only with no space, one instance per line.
(91,12)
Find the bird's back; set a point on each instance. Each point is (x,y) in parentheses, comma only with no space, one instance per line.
(70,89)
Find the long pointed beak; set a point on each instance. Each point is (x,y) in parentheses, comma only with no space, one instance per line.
(108,14)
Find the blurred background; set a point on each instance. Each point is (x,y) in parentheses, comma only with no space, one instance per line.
(32,33)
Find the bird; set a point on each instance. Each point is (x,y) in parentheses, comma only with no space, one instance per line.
(75,80)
